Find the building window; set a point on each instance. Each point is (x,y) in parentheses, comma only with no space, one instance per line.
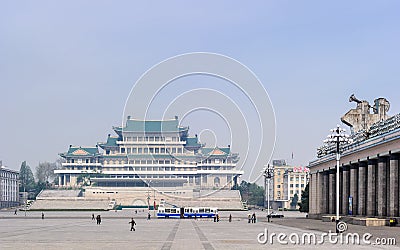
(278,186)
(216,181)
(291,185)
(122,150)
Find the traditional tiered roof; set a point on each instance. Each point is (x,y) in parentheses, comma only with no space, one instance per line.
(81,151)
(111,142)
(149,126)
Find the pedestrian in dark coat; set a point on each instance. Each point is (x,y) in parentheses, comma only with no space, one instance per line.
(133,223)
(98,219)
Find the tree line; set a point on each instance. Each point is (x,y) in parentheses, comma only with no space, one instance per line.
(45,177)
(255,195)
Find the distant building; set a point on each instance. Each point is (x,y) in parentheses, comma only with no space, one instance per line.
(286,182)
(9,187)
(156,153)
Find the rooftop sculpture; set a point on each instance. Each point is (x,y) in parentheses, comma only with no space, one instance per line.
(361,117)
(364,124)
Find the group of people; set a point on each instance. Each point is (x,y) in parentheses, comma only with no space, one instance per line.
(252,218)
(216,218)
(97,218)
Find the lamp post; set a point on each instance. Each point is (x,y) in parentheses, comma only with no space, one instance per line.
(268,174)
(337,137)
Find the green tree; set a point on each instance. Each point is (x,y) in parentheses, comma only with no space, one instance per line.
(26,178)
(294,201)
(252,193)
(304,200)
(45,172)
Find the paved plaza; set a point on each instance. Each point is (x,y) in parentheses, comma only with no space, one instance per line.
(76,230)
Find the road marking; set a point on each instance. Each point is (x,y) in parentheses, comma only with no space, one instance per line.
(206,244)
(168,243)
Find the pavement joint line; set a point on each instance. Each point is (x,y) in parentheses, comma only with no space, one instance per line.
(42,228)
(168,244)
(206,244)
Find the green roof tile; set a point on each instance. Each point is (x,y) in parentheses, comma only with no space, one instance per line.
(151,126)
(111,142)
(81,151)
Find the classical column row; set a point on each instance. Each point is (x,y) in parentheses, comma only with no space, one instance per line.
(367,188)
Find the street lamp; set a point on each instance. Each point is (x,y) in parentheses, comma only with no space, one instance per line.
(337,137)
(268,173)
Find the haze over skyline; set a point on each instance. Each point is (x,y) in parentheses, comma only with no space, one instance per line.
(66,68)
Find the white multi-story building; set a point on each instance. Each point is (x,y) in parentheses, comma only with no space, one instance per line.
(288,181)
(156,153)
(9,187)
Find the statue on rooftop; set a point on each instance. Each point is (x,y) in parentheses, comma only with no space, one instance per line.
(361,117)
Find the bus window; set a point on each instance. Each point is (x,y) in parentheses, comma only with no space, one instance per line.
(207,210)
(201,210)
(167,210)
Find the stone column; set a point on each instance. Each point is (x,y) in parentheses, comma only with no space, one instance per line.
(346,190)
(354,186)
(381,187)
(371,196)
(312,201)
(59,180)
(332,192)
(314,193)
(362,188)
(394,186)
(340,190)
(320,197)
(65,180)
(325,193)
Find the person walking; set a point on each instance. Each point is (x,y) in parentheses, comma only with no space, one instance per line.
(15,212)
(93,217)
(230,217)
(148,216)
(133,223)
(253,218)
(42,216)
(98,219)
(249,217)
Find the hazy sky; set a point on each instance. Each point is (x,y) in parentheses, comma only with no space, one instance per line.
(67,67)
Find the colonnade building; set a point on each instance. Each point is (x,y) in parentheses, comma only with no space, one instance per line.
(150,153)
(9,187)
(369,166)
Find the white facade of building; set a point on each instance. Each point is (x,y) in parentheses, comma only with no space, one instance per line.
(150,153)
(9,187)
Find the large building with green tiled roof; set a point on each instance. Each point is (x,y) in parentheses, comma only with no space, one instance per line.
(156,153)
